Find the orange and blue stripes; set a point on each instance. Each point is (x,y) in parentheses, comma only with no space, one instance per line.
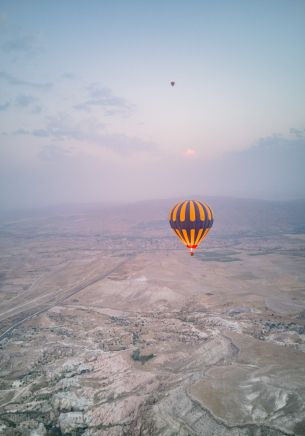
(191,221)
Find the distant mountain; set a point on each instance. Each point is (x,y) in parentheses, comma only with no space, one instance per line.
(232,217)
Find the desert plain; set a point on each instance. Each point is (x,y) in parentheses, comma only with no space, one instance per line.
(109,327)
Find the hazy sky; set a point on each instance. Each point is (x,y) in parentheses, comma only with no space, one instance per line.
(87,112)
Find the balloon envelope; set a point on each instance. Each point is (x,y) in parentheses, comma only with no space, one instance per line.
(191,221)
(173,83)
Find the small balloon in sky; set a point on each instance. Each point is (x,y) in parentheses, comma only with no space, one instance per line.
(172,83)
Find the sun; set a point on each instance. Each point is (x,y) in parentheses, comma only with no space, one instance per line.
(189,152)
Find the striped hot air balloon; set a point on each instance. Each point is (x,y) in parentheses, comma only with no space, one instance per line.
(191,221)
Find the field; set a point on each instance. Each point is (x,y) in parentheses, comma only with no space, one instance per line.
(109,327)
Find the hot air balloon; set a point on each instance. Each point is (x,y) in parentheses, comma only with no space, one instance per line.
(191,221)
(172,83)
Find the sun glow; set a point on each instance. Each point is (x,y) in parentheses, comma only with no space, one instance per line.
(189,152)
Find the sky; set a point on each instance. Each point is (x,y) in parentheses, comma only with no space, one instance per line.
(87,112)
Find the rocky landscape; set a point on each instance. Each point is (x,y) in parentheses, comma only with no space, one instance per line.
(108,327)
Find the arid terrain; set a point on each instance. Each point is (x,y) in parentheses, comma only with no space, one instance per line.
(109,327)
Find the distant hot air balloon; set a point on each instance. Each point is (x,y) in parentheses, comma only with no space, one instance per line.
(191,221)
(172,83)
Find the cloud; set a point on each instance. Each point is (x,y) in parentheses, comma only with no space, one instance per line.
(24,100)
(45,133)
(104,98)
(16,42)
(273,168)
(21,132)
(279,142)
(20,44)
(61,129)
(4,106)
(53,153)
(299,133)
(3,18)
(69,76)
(14,81)
(123,144)
(37,109)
